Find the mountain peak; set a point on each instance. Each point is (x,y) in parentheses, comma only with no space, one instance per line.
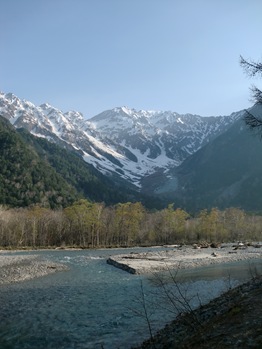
(124,110)
(45,106)
(10,96)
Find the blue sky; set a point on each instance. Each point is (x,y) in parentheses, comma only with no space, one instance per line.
(93,55)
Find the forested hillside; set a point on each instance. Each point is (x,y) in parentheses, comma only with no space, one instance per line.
(27,179)
(36,171)
(225,173)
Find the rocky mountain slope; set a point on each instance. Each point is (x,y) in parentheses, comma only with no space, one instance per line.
(125,144)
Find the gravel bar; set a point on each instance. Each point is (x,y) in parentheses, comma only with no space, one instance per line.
(182,258)
(21,268)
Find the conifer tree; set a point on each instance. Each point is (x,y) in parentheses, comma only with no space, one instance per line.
(253,119)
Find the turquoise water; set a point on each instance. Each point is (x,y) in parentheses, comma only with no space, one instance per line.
(94,305)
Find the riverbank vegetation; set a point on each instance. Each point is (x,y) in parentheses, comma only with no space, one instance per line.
(95,225)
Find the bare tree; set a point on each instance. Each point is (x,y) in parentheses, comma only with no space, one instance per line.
(253,69)
(143,310)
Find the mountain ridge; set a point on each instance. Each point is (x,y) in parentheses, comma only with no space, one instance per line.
(122,143)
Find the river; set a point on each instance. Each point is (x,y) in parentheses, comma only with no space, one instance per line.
(94,305)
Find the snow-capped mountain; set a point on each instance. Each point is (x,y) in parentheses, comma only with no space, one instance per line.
(124,143)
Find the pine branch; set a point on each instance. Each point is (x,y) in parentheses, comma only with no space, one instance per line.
(256,94)
(251,68)
(252,121)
